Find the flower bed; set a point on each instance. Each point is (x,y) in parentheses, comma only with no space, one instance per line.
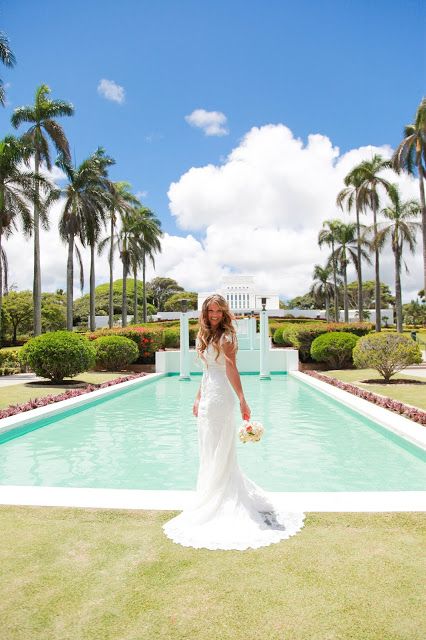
(13,410)
(417,415)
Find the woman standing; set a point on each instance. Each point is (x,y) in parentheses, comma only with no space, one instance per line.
(229,510)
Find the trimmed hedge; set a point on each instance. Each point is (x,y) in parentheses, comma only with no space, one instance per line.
(302,337)
(115,352)
(148,340)
(58,355)
(334,349)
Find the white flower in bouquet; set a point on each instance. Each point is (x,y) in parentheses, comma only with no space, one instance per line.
(251,431)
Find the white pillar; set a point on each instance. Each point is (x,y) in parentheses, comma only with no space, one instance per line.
(184,347)
(264,346)
(252,333)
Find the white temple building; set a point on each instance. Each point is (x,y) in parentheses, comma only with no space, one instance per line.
(242,295)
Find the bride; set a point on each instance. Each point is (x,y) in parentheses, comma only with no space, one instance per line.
(229,511)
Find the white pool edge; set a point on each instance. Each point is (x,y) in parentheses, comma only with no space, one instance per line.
(401,426)
(341,502)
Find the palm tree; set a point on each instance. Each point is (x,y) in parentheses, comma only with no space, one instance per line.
(349,196)
(17,188)
(327,235)
(93,226)
(86,199)
(346,250)
(400,229)
(411,156)
(366,177)
(44,127)
(122,202)
(322,287)
(145,241)
(7,57)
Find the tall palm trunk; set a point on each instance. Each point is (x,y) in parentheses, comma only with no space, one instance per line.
(327,306)
(398,296)
(423,207)
(37,268)
(359,270)
(70,282)
(92,323)
(345,290)
(124,300)
(111,275)
(377,289)
(144,285)
(135,294)
(336,299)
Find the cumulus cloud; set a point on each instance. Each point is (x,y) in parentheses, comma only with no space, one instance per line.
(260,211)
(213,123)
(111,91)
(257,213)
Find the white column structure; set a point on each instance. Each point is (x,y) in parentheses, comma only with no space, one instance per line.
(184,348)
(264,346)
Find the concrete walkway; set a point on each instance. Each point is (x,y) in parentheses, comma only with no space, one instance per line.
(18,378)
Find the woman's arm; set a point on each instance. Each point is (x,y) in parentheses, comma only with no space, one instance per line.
(196,403)
(234,377)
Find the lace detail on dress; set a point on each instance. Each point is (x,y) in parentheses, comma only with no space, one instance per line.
(229,511)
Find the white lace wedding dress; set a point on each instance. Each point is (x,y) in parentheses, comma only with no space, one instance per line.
(229,511)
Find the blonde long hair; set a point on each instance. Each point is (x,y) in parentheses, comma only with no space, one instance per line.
(206,335)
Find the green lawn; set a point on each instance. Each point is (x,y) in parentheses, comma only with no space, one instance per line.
(19,393)
(74,574)
(410,394)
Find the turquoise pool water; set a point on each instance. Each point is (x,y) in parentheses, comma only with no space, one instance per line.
(146,438)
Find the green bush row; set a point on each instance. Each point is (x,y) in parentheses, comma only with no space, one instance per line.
(302,337)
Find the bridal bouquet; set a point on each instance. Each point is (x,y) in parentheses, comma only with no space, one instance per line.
(251,431)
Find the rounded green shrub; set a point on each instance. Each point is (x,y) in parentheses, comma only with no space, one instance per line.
(388,353)
(334,349)
(58,355)
(277,336)
(115,352)
(172,338)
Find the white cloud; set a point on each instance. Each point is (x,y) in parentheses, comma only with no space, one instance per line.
(111,91)
(258,213)
(213,123)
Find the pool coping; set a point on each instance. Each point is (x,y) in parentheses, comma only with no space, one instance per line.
(137,499)
(401,426)
(140,499)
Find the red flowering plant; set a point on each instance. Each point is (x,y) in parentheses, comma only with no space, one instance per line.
(148,340)
(413,413)
(13,410)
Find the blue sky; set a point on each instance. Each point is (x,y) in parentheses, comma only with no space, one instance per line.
(350,71)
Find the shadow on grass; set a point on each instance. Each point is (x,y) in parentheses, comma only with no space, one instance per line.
(396,381)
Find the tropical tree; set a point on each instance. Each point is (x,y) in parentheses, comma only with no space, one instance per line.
(7,57)
(411,157)
(122,202)
(86,199)
(349,198)
(322,287)
(145,242)
(400,229)
(366,177)
(95,222)
(43,128)
(18,188)
(328,235)
(162,289)
(345,251)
